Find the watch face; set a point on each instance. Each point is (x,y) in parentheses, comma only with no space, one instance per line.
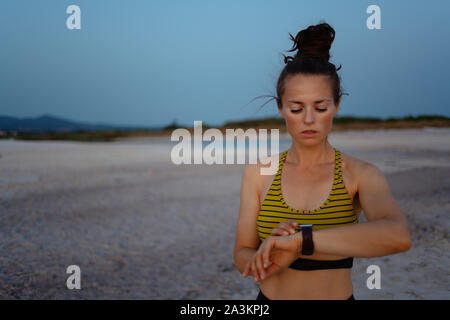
(306,226)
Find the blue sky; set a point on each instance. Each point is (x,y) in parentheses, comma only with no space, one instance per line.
(150,62)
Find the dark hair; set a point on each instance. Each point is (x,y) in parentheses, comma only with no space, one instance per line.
(313,52)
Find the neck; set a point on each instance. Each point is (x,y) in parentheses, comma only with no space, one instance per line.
(310,156)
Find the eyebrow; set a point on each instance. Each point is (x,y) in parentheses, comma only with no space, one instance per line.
(317,101)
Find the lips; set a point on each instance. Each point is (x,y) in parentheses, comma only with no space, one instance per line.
(309,133)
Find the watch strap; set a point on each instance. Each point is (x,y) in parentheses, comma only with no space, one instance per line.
(307,243)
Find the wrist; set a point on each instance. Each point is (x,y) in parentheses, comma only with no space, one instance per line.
(298,238)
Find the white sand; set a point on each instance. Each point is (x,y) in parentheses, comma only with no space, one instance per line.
(141,227)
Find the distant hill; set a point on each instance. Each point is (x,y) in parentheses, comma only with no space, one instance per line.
(48,123)
(48,127)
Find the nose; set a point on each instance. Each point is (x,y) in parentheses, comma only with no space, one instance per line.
(309,116)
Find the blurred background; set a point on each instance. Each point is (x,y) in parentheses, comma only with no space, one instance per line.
(85,120)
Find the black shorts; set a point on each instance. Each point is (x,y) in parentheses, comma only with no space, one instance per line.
(261,296)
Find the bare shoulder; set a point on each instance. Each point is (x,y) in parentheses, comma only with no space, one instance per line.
(352,163)
(360,170)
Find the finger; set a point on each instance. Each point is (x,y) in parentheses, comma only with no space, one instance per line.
(244,273)
(279,232)
(286,226)
(290,226)
(255,271)
(246,270)
(293,224)
(259,266)
(266,253)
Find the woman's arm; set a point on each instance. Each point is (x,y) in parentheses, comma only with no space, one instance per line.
(247,241)
(386,231)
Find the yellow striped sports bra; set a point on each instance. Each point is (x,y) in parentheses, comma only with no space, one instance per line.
(336,211)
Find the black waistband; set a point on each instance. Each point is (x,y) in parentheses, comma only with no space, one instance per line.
(261,296)
(308,264)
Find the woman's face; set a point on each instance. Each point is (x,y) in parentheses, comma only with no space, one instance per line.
(307,104)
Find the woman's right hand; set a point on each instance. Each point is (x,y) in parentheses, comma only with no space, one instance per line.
(285,228)
(274,253)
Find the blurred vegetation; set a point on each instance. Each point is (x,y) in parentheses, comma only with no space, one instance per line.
(79,135)
(419,118)
(267,122)
(339,123)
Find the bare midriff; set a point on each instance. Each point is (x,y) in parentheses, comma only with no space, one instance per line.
(309,284)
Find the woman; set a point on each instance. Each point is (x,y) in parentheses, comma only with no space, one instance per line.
(313,262)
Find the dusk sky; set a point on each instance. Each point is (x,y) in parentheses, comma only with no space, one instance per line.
(147,63)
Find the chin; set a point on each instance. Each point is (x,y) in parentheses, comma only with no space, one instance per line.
(310,141)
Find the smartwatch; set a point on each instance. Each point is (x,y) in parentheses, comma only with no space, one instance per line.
(307,243)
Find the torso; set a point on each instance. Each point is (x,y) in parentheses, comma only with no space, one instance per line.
(314,186)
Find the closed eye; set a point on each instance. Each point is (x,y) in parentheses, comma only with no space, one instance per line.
(298,110)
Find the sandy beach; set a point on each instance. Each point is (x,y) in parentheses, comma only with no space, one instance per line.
(141,227)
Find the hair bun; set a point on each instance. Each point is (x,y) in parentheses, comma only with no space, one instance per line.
(314,41)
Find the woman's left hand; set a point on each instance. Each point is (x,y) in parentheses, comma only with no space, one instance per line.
(275,253)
